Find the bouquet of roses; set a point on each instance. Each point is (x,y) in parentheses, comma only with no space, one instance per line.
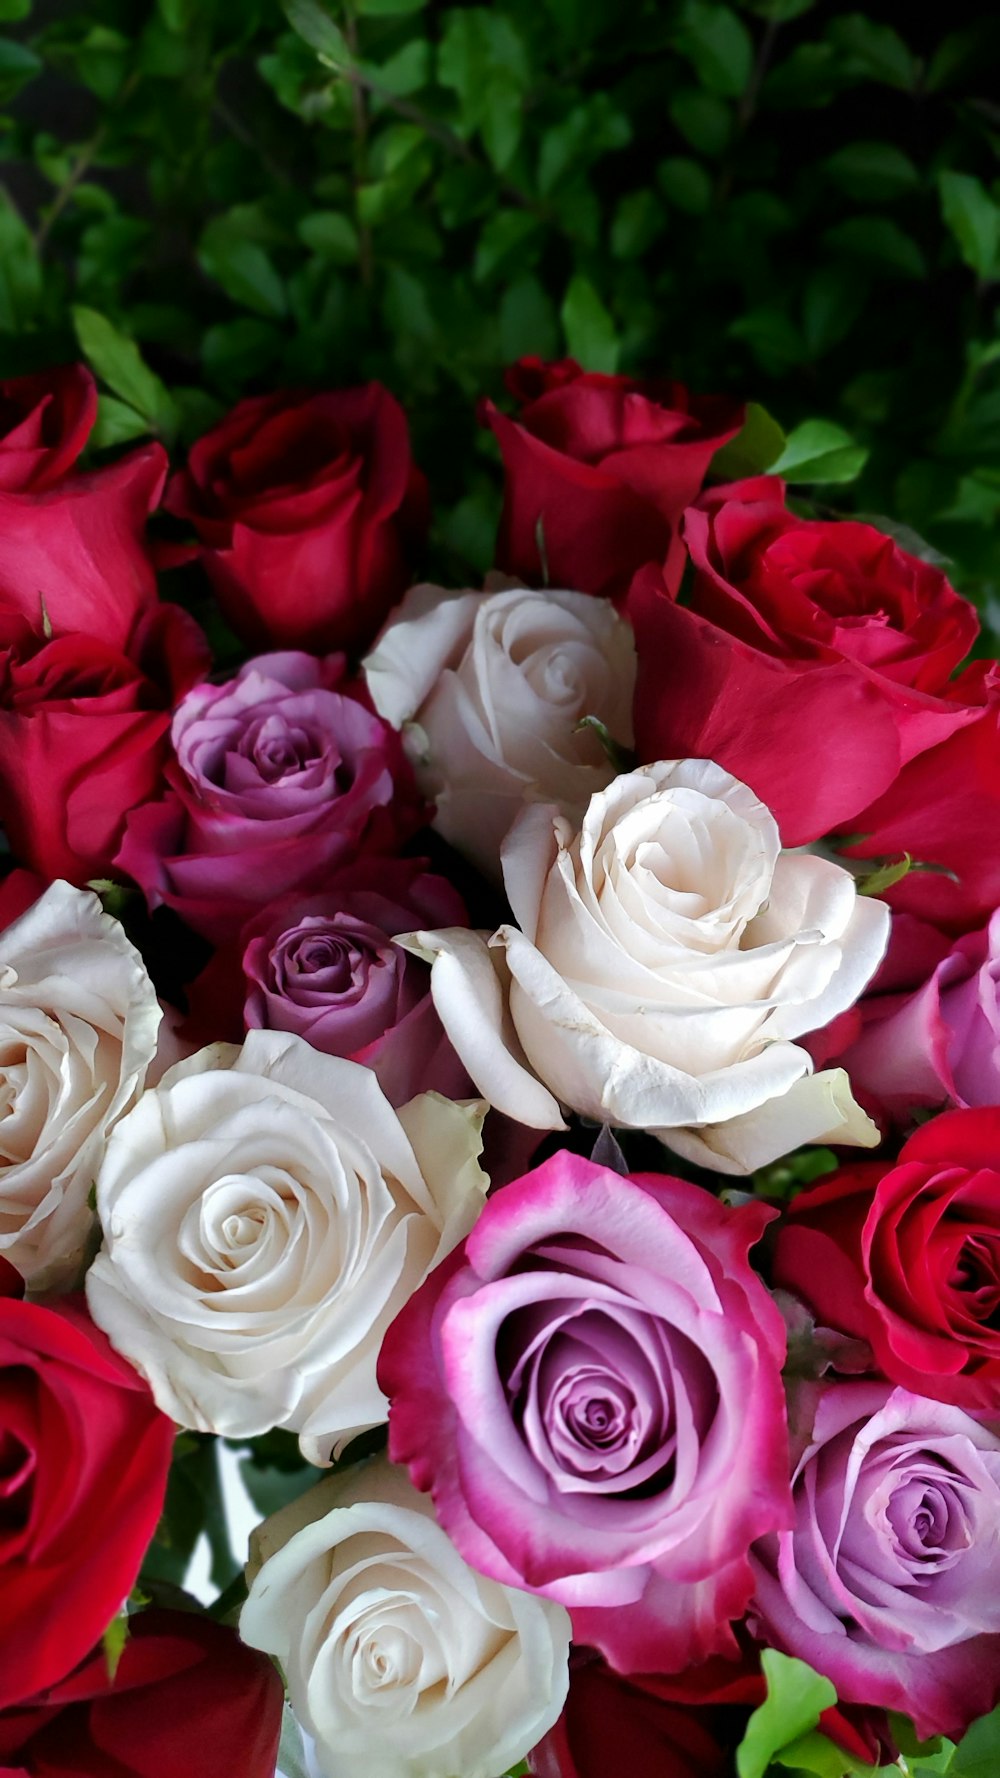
(438,1032)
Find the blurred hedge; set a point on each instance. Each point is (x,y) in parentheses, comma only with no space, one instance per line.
(775,197)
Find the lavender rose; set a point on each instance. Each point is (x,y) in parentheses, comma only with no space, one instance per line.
(279,777)
(941,1044)
(325,966)
(591,1391)
(890,1581)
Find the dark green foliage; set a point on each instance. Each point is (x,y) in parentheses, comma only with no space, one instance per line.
(777,197)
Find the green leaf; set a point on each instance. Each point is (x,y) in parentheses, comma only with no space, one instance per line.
(242,267)
(881,242)
(504,238)
(974,219)
(820,451)
(814,1753)
(639,221)
(12,10)
(113,1643)
(796,1698)
(685,183)
(331,235)
(589,328)
(718,44)
(877,51)
(236,351)
(116,359)
(773,337)
(884,876)
(756,446)
(704,120)
(872,172)
(527,322)
(978,1753)
(117,423)
(18,65)
(314,24)
(378,8)
(20,271)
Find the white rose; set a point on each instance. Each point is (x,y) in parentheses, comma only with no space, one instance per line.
(668,955)
(490,689)
(266,1214)
(401,1661)
(78,1029)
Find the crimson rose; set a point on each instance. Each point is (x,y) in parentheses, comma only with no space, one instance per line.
(798,627)
(84,1454)
(84,729)
(45,421)
(306,506)
(908,1258)
(598,470)
(73,557)
(188,1697)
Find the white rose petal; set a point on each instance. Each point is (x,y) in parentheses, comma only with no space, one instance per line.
(78,1031)
(668,954)
(265,1217)
(491,688)
(401,1661)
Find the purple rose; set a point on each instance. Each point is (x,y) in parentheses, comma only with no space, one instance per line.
(325,966)
(890,1581)
(591,1391)
(280,776)
(941,1044)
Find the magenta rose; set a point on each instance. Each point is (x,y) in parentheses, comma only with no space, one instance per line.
(890,1581)
(279,777)
(591,1390)
(45,420)
(939,1045)
(325,966)
(307,505)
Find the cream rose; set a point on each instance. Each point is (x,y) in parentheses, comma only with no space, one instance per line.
(490,689)
(667,956)
(78,1030)
(401,1661)
(266,1213)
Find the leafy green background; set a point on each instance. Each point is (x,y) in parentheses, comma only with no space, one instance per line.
(784,199)
(777,197)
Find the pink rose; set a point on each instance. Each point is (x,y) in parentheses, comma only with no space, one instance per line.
(889,1582)
(941,1044)
(325,966)
(591,1391)
(280,776)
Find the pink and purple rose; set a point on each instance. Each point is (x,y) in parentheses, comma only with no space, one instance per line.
(280,776)
(325,966)
(591,1390)
(889,1582)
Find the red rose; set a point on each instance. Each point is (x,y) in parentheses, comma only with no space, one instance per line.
(84,735)
(944,809)
(305,505)
(73,557)
(84,1454)
(611,1725)
(801,632)
(45,421)
(188,1698)
(908,1258)
(601,469)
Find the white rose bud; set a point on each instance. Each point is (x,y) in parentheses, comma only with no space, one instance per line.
(78,1030)
(266,1214)
(401,1661)
(490,689)
(668,955)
